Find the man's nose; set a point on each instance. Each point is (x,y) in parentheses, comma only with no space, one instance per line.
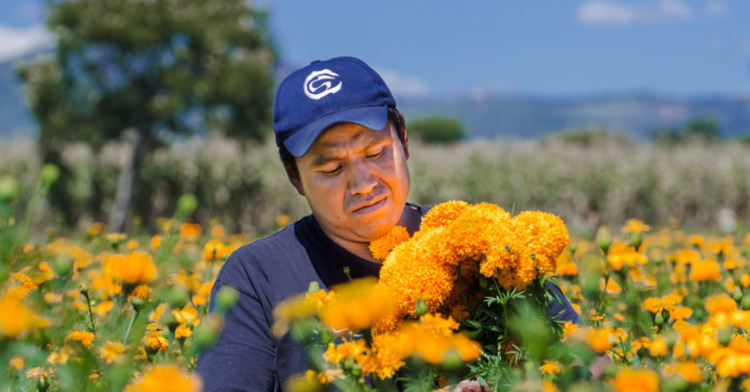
(361,180)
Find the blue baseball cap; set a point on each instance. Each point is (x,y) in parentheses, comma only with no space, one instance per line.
(324,93)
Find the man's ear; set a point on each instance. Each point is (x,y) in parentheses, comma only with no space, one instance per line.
(404,134)
(293,175)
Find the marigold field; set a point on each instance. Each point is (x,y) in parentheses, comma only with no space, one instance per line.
(662,308)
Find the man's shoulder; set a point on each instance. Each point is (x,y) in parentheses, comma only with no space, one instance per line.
(270,259)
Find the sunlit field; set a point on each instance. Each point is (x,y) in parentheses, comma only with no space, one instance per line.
(659,280)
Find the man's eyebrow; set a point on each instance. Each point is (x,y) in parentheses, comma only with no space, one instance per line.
(323,159)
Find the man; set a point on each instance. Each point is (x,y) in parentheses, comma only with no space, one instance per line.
(344,146)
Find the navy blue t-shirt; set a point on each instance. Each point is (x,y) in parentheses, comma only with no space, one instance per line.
(247,357)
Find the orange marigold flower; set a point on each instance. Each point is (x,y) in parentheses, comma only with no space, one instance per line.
(658,347)
(183,331)
(17,319)
(630,380)
(703,271)
(443,214)
(190,231)
(298,307)
(86,338)
(599,340)
(162,378)
(720,304)
(188,314)
(155,242)
(690,371)
(567,269)
(381,247)
(681,313)
(135,267)
(357,305)
(154,342)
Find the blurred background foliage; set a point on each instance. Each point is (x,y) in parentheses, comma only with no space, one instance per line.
(146,73)
(143,101)
(589,178)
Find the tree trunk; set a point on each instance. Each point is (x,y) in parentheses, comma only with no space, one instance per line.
(128,172)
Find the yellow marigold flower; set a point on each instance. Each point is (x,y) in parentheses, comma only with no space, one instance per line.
(357,305)
(283,220)
(686,256)
(26,281)
(183,331)
(703,271)
(190,231)
(568,330)
(347,349)
(214,250)
(154,342)
(115,238)
(443,214)
(549,386)
(217,231)
(16,363)
(103,308)
(162,378)
(298,307)
(199,300)
(745,280)
(303,382)
(188,314)
(720,304)
(86,338)
(635,226)
(550,367)
(131,244)
(60,357)
(17,318)
(158,312)
(112,352)
(95,229)
(381,247)
(658,347)
(140,291)
(631,380)
(696,240)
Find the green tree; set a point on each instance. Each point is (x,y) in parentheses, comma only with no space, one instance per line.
(149,71)
(703,129)
(437,129)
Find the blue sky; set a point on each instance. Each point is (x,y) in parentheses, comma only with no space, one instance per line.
(540,47)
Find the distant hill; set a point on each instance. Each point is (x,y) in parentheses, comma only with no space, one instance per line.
(633,115)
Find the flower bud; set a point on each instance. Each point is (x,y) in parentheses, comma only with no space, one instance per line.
(746,303)
(421,308)
(452,359)
(724,336)
(62,266)
(8,189)
(658,319)
(177,297)
(225,298)
(187,204)
(737,294)
(50,174)
(603,238)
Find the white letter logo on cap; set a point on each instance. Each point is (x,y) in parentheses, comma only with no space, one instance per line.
(318,84)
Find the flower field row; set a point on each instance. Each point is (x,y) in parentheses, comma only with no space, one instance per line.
(661,310)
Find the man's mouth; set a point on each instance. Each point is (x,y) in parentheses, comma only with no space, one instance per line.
(370,206)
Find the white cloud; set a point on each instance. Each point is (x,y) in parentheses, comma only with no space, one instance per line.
(614,12)
(716,8)
(402,85)
(18,42)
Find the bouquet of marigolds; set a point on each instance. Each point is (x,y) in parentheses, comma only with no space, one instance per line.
(465,298)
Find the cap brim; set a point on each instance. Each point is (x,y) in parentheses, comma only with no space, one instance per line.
(373,117)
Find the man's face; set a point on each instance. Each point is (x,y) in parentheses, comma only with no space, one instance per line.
(355,180)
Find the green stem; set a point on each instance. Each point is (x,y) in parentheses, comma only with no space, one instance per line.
(130,325)
(91,313)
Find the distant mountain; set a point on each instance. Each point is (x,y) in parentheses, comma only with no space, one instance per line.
(634,115)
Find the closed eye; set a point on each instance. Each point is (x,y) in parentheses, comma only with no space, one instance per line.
(376,155)
(332,172)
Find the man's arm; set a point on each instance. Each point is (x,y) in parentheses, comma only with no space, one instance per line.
(244,357)
(561,311)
